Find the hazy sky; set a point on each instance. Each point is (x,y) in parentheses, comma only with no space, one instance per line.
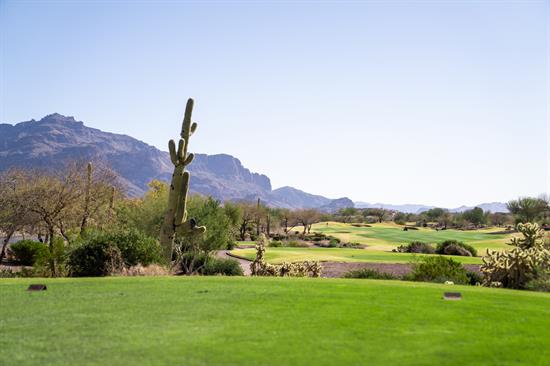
(436,102)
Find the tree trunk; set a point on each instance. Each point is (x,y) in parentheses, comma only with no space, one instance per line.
(5,244)
(52,259)
(242,231)
(268,228)
(64,234)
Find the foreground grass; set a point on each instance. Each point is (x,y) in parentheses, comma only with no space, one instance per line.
(268,321)
(283,254)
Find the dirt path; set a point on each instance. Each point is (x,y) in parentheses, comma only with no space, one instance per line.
(245,264)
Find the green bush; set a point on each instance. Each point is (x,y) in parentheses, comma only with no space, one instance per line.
(95,257)
(222,266)
(195,263)
(296,244)
(438,269)
(541,284)
(332,244)
(135,247)
(455,247)
(416,247)
(53,259)
(7,273)
(275,243)
(27,252)
(353,245)
(370,273)
(474,278)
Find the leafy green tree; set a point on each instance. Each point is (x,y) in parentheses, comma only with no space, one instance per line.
(527,209)
(400,218)
(474,216)
(379,213)
(145,214)
(210,213)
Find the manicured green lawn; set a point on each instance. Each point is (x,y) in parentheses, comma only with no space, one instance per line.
(387,236)
(283,254)
(268,321)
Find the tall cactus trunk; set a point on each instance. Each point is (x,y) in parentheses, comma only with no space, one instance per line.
(175,218)
(86,212)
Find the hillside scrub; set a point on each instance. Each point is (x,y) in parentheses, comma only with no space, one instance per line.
(455,247)
(438,269)
(416,247)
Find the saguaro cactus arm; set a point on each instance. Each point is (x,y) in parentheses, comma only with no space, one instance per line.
(175,219)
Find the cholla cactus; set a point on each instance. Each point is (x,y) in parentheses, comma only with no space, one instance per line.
(175,218)
(514,268)
(533,236)
(259,267)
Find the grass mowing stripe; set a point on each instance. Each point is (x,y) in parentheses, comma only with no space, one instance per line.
(268,321)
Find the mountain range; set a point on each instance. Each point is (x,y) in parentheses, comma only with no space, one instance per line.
(56,139)
(416,208)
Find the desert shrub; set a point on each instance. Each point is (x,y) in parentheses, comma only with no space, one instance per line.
(222,266)
(95,257)
(7,273)
(352,245)
(259,267)
(370,273)
(316,236)
(135,247)
(296,244)
(51,262)
(192,262)
(521,265)
(455,247)
(541,283)
(150,270)
(200,263)
(474,278)
(26,252)
(416,247)
(275,243)
(438,269)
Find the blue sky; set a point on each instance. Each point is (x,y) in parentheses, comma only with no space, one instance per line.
(437,102)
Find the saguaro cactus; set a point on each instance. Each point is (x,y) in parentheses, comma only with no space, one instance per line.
(86,213)
(175,218)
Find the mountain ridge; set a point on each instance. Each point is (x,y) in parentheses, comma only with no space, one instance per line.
(419,208)
(55,139)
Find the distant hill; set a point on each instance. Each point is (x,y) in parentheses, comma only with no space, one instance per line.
(56,139)
(416,208)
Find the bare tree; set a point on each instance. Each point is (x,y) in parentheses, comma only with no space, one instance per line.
(13,215)
(248,211)
(307,218)
(288,220)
